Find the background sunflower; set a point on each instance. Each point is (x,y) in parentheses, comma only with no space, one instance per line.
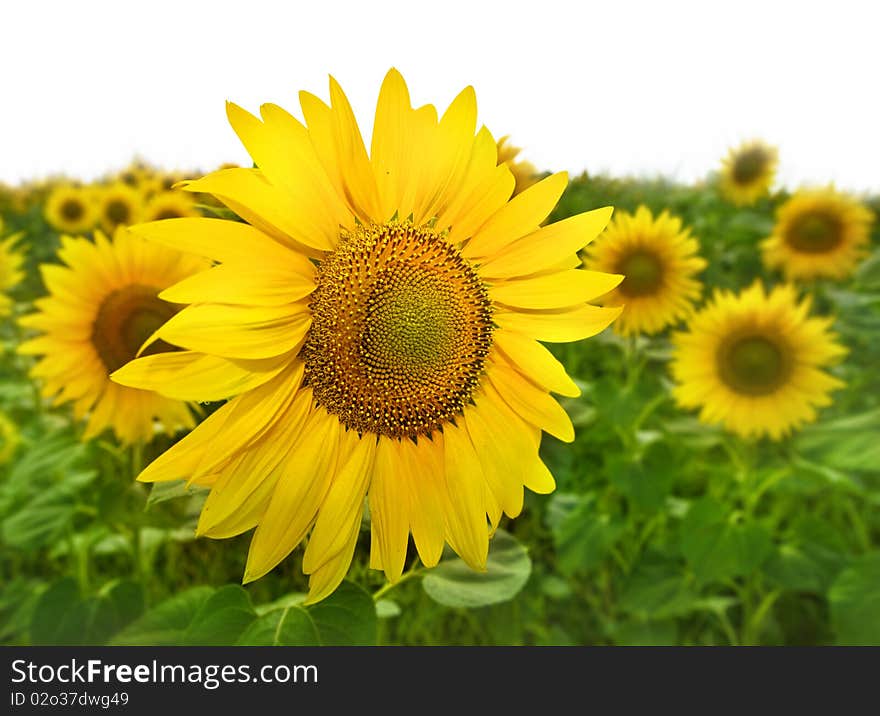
(748,171)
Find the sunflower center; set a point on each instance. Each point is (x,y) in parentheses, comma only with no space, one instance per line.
(643,273)
(749,165)
(72,210)
(401,327)
(167,213)
(815,233)
(753,364)
(117,211)
(127,318)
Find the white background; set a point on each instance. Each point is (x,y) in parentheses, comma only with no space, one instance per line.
(626,87)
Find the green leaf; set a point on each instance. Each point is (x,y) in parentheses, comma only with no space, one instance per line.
(221,619)
(645,482)
(855,602)
(792,568)
(454,584)
(717,547)
(583,535)
(646,633)
(848,443)
(387,609)
(167,623)
(659,591)
(172,490)
(345,618)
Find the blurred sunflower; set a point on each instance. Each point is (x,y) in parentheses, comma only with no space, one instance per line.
(169,205)
(11,272)
(377,319)
(819,233)
(753,362)
(10,437)
(70,209)
(102,306)
(119,205)
(659,260)
(524,173)
(748,171)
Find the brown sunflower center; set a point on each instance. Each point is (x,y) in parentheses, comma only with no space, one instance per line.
(753,364)
(749,165)
(168,212)
(126,319)
(117,211)
(642,271)
(72,209)
(401,327)
(815,233)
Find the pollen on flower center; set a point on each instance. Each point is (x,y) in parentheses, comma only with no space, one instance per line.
(753,364)
(126,319)
(72,210)
(749,164)
(401,327)
(815,233)
(643,273)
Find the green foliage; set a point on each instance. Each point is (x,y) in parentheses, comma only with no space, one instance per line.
(663,530)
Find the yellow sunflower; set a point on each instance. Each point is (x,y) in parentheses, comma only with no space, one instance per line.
(753,362)
(524,173)
(119,205)
(10,437)
(11,271)
(170,205)
(819,233)
(71,209)
(102,305)
(658,257)
(748,171)
(377,321)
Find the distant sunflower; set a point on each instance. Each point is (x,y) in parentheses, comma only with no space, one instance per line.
(10,437)
(658,258)
(170,205)
(102,306)
(819,233)
(71,209)
(747,173)
(11,271)
(119,205)
(524,173)
(377,320)
(753,362)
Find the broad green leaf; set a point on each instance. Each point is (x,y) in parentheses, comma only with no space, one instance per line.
(345,618)
(221,619)
(848,443)
(855,602)
(793,568)
(716,547)
(387,609)
(658,592)
(454,584)
(582,534)
(167,623)
(647,481)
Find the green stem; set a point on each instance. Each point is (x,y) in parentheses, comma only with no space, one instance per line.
(388,586)
(136,465)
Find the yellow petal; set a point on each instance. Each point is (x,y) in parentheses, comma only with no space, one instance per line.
(559,326)
(547,246)
(389,510)
(520,216)
(237,331)
(257,284)
(535,362)
(555,290)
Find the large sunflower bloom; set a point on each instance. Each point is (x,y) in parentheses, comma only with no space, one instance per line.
(102,306)
(658,258)
(819,233)
(753,362)
(377,319)
(748,171)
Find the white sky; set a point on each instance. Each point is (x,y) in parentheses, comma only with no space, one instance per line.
(629,87)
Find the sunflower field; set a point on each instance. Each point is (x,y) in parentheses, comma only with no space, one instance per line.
(415,391)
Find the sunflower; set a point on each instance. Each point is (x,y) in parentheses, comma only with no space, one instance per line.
(70,209)
(11,273)
(747,173)
(523,172)
(754,362)
(377,321)
(10,437)
(819,233)
(119,205)
(170,205)
(658,258)
(102,306)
